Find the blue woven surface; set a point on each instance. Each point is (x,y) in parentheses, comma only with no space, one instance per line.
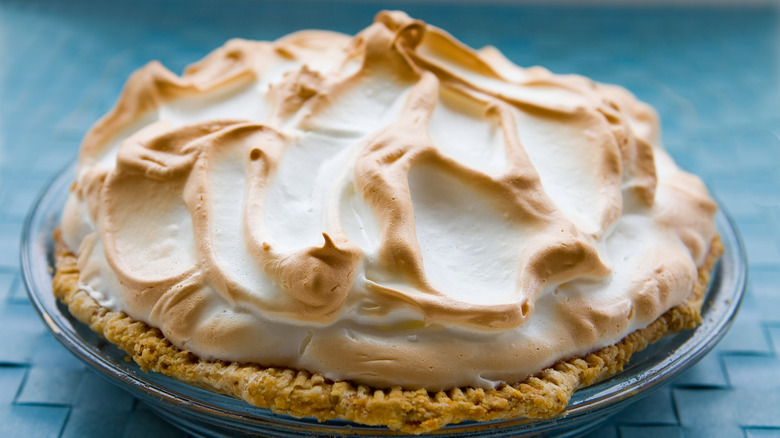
(713,74)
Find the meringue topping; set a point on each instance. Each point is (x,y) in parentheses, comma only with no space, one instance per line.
(394,208)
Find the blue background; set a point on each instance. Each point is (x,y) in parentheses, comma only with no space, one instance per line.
(713,74)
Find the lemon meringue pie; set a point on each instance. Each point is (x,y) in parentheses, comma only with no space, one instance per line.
(391,228)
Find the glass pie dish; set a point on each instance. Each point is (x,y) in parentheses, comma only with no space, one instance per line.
(203,413)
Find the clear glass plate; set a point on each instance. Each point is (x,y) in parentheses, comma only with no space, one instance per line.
(203,413)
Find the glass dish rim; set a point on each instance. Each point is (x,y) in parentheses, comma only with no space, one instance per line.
(697,344)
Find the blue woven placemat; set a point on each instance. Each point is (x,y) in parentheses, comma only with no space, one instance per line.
(713,74)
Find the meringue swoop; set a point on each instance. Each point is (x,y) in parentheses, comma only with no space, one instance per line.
(393,208)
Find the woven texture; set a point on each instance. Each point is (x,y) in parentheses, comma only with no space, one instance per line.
(713,75)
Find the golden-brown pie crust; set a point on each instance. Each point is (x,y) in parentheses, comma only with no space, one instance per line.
(303,394)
